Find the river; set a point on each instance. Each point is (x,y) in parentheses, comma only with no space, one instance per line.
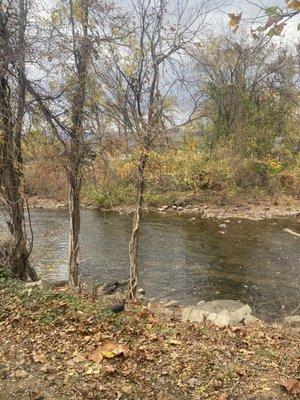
(256,262)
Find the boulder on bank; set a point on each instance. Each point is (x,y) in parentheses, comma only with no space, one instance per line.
(219,312)
(293,322)
(250,319)
(41,284)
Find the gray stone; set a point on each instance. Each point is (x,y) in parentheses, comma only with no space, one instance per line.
(163,208)
(172,303)
(141,297)
(152,300)
(293,321)
(222,226)
(114,286)
(168,312)
(41,284)
(193,382)
(250,319)
(141,291)
(219,312)
(60,283)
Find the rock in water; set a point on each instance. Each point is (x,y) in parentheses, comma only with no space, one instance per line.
(220,312)
(110,287)
(113,286)
(172,303)
(291,232)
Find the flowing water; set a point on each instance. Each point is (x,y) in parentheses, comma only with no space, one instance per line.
(256,262)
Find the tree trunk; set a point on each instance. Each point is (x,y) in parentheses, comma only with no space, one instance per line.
(11,182)
(134,240)
(19,255)
(75,180)
(76,153)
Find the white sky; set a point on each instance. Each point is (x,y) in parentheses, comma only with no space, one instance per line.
(219,19)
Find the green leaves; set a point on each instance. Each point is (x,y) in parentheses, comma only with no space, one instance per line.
(272,27)
(273,11)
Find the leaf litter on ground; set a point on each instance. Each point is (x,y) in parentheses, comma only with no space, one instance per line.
(64,346)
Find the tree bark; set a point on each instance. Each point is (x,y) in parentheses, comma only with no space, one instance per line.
(11,182)
(11,163)
(76,153)
(74,210)
(134,240)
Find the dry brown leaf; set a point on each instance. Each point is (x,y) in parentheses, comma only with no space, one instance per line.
(293,5)
(109,369)
(240,371)
(96,356)
(129,369)
(21,374)
(291,385)
(108,350)
(234,21)
(127,389)
(39,358)
(223,397)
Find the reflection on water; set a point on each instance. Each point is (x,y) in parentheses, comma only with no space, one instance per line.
(255,261)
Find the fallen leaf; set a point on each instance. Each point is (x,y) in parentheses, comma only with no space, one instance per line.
(96,356)
(21,374)
(174,342)
(108,350)
(291,385)
(129,369)
(78,358)
(109,369)
(127,389)
(39,358)
(239,371)
(223,397)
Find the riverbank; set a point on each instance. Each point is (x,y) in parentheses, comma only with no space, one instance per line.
(59,345)
(211,208)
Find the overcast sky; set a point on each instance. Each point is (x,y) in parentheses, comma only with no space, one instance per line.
(219,19)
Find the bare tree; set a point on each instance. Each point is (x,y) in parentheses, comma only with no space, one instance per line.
(70,49)
(13,23)
(141,78)
(247,83)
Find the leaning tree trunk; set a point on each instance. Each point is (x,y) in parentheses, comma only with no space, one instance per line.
(75,181)
(134,240)
(14,205)
(11,187)
(11,164)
